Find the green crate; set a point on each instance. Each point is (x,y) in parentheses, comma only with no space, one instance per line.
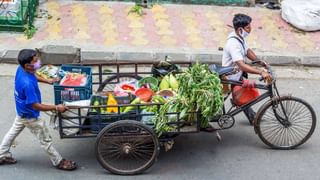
(73,93)
(98,120)
(16,19)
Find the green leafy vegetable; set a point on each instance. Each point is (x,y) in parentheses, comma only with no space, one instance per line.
(200,91)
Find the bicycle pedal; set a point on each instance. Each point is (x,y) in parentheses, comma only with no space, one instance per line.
(219,138)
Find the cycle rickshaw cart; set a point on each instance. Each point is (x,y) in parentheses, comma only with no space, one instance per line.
(124,145)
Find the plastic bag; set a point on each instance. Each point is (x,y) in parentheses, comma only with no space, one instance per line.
(125,88)
(245,93)
(163,68)
(71,113)
(302,14)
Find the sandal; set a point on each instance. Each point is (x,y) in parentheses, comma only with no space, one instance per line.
(67,165)
(7,160)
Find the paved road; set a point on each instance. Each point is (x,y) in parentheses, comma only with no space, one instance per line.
(240,155)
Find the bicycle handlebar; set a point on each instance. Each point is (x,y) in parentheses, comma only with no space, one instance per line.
(267,66)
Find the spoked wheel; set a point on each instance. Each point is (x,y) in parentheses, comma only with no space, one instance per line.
(127,147)
(110,83)
(285,126)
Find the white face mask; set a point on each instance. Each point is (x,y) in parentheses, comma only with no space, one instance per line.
(244,33)
(37,65)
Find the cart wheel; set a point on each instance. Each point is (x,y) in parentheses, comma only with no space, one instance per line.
(127,147)
(110,83)
(285,126)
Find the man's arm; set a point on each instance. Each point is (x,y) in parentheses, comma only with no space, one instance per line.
(249,69)
(43,80)
(45,107)
(251,55)
(47,81)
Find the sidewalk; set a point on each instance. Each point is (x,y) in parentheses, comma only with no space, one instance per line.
(281,72)
(184,30)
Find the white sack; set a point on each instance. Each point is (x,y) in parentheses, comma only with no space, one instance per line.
(303,14)
(72,113)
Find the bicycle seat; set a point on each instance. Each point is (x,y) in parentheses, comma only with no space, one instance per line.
(221,70)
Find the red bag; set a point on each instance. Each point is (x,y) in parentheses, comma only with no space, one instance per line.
(245,93)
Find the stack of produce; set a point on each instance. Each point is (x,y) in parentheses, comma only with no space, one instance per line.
(196,90)
(110,100)
(48,72)
(73,79)
(169,82)
(200,91)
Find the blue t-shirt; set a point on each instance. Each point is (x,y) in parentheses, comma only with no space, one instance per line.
(26,93)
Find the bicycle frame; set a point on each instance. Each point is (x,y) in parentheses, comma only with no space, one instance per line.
(271,89)
(272,92)
(263,96)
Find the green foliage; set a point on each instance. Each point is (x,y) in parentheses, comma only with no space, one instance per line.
(29,31)
(137,9)
(199,91)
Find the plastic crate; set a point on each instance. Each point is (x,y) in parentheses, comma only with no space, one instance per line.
(73,93)
(103,99)
(99,120)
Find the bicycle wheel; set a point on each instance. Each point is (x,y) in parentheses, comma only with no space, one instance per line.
(287,127)
(127,147)
(110,83)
